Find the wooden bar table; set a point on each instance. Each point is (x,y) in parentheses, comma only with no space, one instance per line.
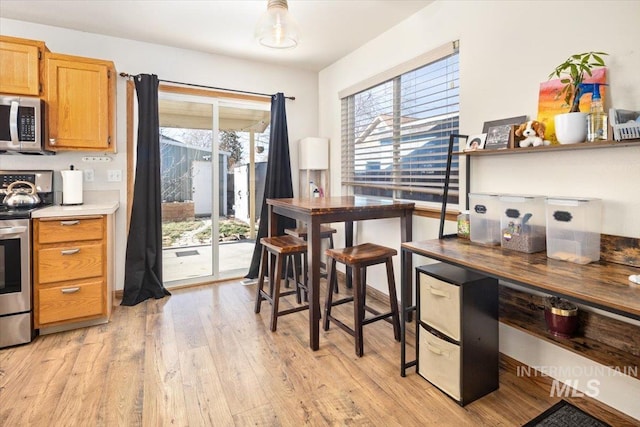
(323,210)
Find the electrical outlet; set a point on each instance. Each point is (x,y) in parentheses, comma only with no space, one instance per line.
(88,175)
(114,175)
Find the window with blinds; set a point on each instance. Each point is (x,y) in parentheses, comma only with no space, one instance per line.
(395,134)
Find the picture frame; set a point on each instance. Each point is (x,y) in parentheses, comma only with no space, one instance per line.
(500,133)
(498,137)
(476,142)
(508,121)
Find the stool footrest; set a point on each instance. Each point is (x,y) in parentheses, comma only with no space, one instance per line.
(284,294)
(376,318)
(268,297)
(293,310)
(341,301)
(342,326)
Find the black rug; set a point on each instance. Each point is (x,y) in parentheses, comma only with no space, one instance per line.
(564,414)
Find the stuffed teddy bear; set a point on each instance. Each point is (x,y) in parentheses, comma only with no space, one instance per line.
(533,131)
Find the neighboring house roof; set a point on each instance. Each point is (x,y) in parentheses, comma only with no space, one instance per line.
(417,134)
(167,140)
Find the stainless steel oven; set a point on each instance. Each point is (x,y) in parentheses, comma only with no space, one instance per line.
(16,324)
(16,294)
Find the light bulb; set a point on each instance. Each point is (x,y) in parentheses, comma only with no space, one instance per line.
(276,28)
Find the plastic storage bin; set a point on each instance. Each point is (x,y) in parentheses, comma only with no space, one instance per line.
(573,229)
(484,218)
(522,223)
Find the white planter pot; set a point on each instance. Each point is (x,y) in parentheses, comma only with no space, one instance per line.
(571,128)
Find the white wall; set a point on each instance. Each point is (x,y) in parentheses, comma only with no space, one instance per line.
(169,64)
(506,50)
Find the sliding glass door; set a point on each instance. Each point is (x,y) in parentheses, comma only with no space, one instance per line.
(211,150)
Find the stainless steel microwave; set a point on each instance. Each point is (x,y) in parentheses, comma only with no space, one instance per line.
(22,124)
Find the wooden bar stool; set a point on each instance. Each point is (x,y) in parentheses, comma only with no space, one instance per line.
(325,233)
(302,233)
(359,258)
(284,248)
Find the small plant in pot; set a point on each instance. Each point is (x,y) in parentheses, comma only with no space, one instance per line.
(561,317)
(572,126)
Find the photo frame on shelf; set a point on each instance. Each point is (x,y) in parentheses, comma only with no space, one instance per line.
(509,121)
(476,142)
(498,137)
(500,133)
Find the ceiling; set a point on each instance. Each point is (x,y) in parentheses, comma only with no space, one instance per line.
(328,29)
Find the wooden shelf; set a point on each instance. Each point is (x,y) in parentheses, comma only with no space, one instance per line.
(602,339)
(553,148)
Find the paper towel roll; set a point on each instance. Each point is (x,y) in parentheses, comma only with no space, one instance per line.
(71,187)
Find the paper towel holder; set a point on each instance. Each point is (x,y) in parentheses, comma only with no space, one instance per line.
(71,187)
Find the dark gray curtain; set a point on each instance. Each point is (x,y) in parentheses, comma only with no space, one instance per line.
(278,182)
(143,264)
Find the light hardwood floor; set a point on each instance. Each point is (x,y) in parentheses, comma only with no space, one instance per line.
(203,358)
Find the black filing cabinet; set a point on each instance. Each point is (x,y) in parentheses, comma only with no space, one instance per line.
(457,333)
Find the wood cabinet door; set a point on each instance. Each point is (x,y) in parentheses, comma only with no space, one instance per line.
(20,67)
(80,104)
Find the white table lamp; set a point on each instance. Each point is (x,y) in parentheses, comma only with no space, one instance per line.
(314,156)
(314,153)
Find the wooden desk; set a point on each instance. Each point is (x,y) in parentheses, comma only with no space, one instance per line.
(322,210)
(601,284)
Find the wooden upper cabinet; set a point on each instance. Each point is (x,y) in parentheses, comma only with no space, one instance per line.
(80,95)
(21,66)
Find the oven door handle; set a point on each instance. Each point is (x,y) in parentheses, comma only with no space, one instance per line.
(4,231)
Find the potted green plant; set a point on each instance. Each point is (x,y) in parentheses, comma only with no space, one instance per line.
(561,316)
(571,127)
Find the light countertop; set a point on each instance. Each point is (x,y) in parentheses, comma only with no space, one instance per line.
(93,208)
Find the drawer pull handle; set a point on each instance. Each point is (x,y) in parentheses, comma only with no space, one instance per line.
(70,251)
(70,290)
(435,350)
(73,222)
(438,292)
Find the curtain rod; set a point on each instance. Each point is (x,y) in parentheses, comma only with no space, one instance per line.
(129,76)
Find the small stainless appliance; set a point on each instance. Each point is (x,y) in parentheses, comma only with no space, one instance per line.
(16,298)
(22,125)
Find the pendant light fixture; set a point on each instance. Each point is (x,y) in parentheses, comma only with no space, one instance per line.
(276,28)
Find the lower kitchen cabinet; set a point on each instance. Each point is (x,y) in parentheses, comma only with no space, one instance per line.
(457,333)
(71,269)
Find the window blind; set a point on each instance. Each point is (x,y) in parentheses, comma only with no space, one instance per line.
(395,134)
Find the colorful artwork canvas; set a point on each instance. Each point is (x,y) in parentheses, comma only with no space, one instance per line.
(549,104)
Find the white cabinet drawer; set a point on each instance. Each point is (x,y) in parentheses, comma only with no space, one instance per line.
(440,305)
(439,363)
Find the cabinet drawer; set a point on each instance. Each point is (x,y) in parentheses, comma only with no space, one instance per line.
(70,262)
(439,363)
(70,302)
(440,305)
(69,230)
